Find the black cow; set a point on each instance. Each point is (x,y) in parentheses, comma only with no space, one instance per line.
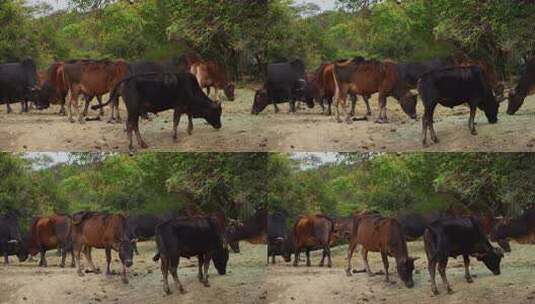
(11,241)
(451,237)
(143,227)
(520,228)
(18,82)
(277,233)
(285,82)
(525,87)
(188,237)
(410,73)
(452,87)
(156,93)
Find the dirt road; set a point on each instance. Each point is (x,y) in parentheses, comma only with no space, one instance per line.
(27,283)
(287,284)
(307,131)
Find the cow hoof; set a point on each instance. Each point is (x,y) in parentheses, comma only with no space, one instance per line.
(167,290)
(469,280)
(71,120)
(182,291)
(348,273)
(143,145)
(206,284)
(473,132)
(125,280)
(329,265)
(450,291)
(436,292)
(62,265)
(81,274)
(321,265)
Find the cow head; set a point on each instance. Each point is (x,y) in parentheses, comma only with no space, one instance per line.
(492,259)
(501,233)
(126,251)
(261,101)
(212,114)
(516,99)
(405,267)
(490,106)
(220,258)
(19,248)
(229,91)
(408,104)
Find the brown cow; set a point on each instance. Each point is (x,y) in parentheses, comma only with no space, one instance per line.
(520,229)
(90,78)
(51,232)
(211,74)
(324,79)
(103,231)
(310,232)
(366,77)
(385,235)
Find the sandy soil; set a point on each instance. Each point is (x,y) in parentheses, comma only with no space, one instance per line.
(27,283)
(307,130)
(287,284)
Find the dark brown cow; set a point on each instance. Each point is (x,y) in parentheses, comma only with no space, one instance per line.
(524,88)
(211,74)
(51,232)
(520,229)
(310,232)
(385,235)
(89,78)
(367,77)
(103,231)
(252,230)
(324,79)
(343,228)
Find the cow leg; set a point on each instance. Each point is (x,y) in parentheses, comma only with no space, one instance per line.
(73,263)
(354,99)
(42,261)
(328,252)
(296,256)
(190,124)
(124,275)
(276,107)
(432,268)
(273,259)
(78,251)
(367,101)
(350,250)
(200,259)
(101,110)
(8,107)
(384,257)
(176,122)
(307,253)
(206,267)
(108,260)
(174,273)
(87,253)
(134,246)
(62,107)
(471,124)
(467,275)
(424,129)
(382,109)
(442,270)
(292,105)
(63,256)
(140,140)
(364,254)
(164,266)
(6,257)
(434,137)
(87,100)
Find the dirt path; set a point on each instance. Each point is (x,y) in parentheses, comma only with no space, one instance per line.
(307,131)
(287,284)
(27,283)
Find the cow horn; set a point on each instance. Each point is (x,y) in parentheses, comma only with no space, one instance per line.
(12,241)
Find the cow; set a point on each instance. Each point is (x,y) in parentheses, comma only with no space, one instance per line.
(87,78)
(324,89)
(524,88)
(367,77)
(452,87)
(18,83)
(143,226)
(381,234)
(253,230)
(188,237)
(277,234)
(285,82)
(51,232)
(312,231)
(11,241)
(211,74)
(343,228)
(520,228)
(156,93)
(102,231)
(454,236)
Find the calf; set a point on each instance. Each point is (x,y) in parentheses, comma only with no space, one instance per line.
(385,235)
(312,231)
(454,236)
(52,232)
(11,242)
(211,74)
(452,87)
(103,231)
(188,237)
(18,82)
(156,93)
(367,77)
(524,88)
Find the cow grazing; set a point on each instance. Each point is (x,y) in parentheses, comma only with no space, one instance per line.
(454,236)
(285,82)
(156,93)
(452,87)
(188,237)
(103,231)
(253,230)
(11,241)
(520,228)
(277,234)
(143,226)
(310,232)
(385,235)
(524,88)
(366,77)
(51,232)
(211,74)
(18,83)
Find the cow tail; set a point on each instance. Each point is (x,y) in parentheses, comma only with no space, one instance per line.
(160,244)
(437,247)
(34,237)
(336,86)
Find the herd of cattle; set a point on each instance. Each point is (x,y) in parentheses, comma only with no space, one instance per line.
(208,237)
(152,87)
